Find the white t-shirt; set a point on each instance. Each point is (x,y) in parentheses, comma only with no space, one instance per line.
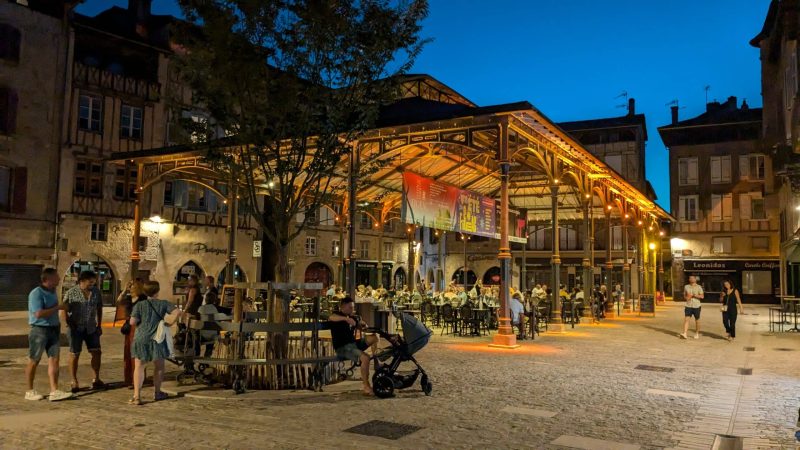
(694,290)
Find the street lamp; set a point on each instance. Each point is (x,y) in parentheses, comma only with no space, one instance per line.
(655,277)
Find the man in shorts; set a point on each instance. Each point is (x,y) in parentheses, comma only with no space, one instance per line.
(693,294)
(343,325)
(45,335)
(84,314)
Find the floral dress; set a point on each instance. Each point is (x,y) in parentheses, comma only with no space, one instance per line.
(144,347)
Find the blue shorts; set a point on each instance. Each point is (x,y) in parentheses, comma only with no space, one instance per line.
(78,337)
(44,339)
(689,312)
(352,351)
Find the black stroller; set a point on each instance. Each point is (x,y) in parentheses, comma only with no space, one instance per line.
(387,377)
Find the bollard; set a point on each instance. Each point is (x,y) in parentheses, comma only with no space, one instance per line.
(727,442)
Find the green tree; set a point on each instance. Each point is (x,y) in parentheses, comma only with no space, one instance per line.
(294,83)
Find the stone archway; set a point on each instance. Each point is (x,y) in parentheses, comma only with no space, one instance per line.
(318,272)
(106,281)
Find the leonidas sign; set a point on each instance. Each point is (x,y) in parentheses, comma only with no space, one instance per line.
(438,205)
(722,265)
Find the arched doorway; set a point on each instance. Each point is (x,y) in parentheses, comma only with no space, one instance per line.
(318,272)
(400,278)
(458,277)
(238,275)
(179,285)
(492,276)
(105,278)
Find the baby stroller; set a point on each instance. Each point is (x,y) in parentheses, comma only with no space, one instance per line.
(387,377)
(187,343)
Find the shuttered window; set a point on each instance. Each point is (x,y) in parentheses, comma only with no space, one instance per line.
(687,208)
(720,169)
(752,206)
(721,207)
(687,171)
(8,110)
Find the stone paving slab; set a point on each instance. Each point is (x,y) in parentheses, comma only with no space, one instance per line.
(585,376)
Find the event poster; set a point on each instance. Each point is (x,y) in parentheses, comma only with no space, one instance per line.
(438,205)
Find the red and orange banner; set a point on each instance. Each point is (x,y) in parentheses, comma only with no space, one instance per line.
(438,205)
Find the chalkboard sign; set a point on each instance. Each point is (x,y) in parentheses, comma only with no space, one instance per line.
(647,304)
(227,299)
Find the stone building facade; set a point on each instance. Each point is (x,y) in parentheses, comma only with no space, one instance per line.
(723,193)
(33,51)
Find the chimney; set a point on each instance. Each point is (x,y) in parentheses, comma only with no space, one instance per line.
(745,106)
(140,11)
(674,110)
(631,106)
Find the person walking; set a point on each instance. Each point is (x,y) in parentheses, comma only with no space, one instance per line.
(693,294)
(45,335)
(127,299)
(84,315)
(146,316)
(731,307)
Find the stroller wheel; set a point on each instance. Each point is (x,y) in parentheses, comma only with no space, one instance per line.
(427,386)
(382,385)
(182,379)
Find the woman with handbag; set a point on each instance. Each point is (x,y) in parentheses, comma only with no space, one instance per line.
(731,307)
(133,293)
(147,315)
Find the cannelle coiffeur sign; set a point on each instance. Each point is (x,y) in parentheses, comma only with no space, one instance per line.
(438,205)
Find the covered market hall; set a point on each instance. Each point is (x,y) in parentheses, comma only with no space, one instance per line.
(451,167)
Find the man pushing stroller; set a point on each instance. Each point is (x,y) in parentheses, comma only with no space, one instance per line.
(343,327)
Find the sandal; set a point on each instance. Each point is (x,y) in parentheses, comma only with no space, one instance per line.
(98,384)
(74,388)
(135,401)
(160,396)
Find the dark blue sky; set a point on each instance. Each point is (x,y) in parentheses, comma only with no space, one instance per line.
(571,58)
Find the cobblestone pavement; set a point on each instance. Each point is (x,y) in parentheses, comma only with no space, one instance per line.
(581,388)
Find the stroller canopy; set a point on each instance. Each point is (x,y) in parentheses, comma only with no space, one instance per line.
(415,333)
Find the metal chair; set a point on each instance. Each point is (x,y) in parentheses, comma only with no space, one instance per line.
(449,319)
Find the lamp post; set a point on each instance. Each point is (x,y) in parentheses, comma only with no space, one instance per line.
(653,249)
(661,264)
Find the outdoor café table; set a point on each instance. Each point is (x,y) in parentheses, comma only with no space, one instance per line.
(795,302)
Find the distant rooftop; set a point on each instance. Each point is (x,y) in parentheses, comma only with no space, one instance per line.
(721,122)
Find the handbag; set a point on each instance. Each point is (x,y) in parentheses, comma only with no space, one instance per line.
(724,307)
(126,328)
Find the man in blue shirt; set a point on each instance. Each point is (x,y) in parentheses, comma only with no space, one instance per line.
(44,336)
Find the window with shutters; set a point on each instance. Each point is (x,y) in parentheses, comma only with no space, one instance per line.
(89,178)
(5,189)
(10,40)
(721,244)
(131,122)
(687,208)
(720,169)
(752,167)
(98,232)
(364,254)
(687,171)
(721,207)
(336,248)
(311,246)
(388,226)
(125,182)
(752,206)
(759,242)
(8,110)
(388,251)
(312,217)
(90,113)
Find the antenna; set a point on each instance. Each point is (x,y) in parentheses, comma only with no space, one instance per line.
(707,88)
(624,95)
(675,103)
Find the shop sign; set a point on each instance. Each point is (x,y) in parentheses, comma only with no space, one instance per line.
(256,249)
(728,265)
(200,247)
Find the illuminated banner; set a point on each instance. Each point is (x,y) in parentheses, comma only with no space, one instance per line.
(438,205)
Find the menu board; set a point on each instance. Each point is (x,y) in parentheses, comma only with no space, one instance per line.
(647,304)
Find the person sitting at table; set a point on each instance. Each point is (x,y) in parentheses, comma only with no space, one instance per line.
(462,297)
(331,291)
(343,327)
(517,311)
(537,294)
(578,297)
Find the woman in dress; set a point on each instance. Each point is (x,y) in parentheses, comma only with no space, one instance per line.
(146,316)
(127,299)
(731,307)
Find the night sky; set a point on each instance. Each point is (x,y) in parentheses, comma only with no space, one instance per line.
(573,58)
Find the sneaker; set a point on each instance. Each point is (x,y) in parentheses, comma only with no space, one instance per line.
(59,395)
(697,335)
(33,395)
(682,336)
